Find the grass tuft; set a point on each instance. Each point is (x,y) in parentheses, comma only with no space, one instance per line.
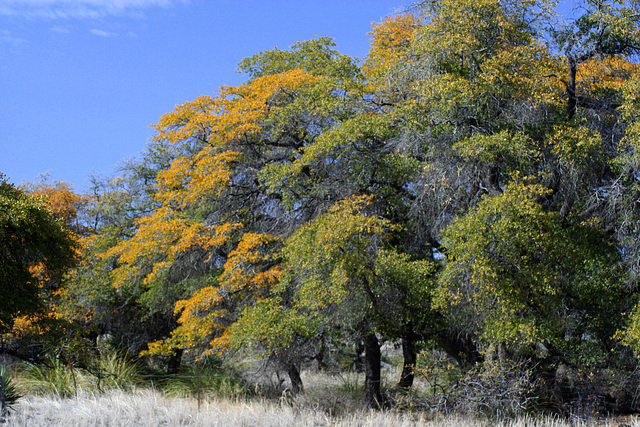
(193,381)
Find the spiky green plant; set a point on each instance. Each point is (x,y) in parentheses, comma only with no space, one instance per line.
(53,378)
(9,394)
(116,369)
(211,380)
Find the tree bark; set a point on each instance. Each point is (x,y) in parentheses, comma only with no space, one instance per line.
(462,349)
(174,362)
(410,356)
(571,88)
(296,382)
(372,394)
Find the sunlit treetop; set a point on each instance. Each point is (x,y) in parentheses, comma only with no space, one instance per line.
(316,57)
(605,77)
(64,203)
(389,44)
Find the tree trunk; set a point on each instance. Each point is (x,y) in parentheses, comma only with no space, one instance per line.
(357,359)
(372,394)
(296,382)
(462,349)
(174,362)
(571,88)
(410,356)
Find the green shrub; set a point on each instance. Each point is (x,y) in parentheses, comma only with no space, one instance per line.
(111,369)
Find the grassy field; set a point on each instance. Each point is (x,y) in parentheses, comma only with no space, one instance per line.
(57,396)
(152,408)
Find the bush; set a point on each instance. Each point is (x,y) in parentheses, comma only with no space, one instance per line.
(116,369)
(112,369)
(494,389)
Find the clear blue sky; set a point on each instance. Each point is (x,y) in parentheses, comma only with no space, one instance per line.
(82,80)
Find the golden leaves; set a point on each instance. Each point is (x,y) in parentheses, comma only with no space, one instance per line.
(189,120)
(608,73)
(389,44)
(160,238)
(190,180)
(205,316)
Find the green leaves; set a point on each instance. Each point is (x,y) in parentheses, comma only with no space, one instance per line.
(334,254)
(34,249)
(9,394)
(514,272)
(496,264)
(317,57)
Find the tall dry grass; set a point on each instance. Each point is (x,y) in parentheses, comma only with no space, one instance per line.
(152,408)
(56,395)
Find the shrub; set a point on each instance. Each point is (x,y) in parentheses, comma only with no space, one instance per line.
(493,389)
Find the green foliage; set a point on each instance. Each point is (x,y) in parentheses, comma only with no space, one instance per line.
(115,369)
(315,56)
(333,258)
(272,325)
(327,283)
(497,268)
(9,394)
(34,249)
(110,369)
(515,274)
(54,379)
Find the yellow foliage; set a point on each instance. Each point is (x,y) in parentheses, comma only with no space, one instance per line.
(610,72)
(247,276)
(63,202)
(390,43)
(187,121)
(575,147)
(160,238)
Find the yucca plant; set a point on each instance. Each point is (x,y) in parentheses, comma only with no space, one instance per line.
(209,378)
(53,378)
(9,394)
(117,370)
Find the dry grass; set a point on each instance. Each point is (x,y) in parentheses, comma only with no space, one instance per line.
(330,400)
(152,408)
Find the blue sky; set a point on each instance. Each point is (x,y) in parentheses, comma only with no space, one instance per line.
(82,80)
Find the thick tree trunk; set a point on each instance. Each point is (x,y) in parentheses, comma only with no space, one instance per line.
(410,356)
(462,349)
(319,357)
(372,394)
(296,382)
